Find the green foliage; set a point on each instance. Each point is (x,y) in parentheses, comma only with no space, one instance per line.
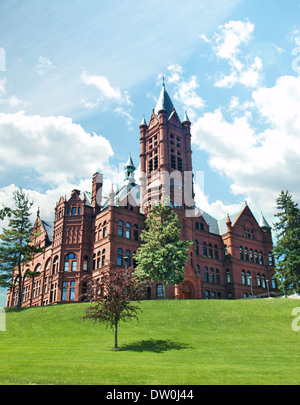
(162,255)
(113,294)
(287,249)
(15,249)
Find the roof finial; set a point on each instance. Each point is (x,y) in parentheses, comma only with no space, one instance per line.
(38,212)
(163,80)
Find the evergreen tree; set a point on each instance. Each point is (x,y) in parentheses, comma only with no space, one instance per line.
(287,249)
(15,247)
(162,255)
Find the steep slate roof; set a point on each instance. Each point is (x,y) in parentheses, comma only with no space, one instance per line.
(48,229)
(164,102)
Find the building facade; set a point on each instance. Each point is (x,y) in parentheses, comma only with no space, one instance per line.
(229,259)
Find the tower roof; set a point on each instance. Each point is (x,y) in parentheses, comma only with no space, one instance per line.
(164,102)
(130,163)
(263,222)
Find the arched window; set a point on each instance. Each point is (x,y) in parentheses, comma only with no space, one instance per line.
(103,258)
(104,229)
(243,277)
(127,259)
(249,278)
(196,247)
(38,268)
(128,230)
(55,265)
(94,261)
(216,252)
(258,280)
(204,249)
(256,257)
(246,255)
(70,262)
(120,228)
(241,253)
(99,259)
(206,276)
(135,232)
(210,250)
(273,282)
(263,281)
(120,257)
(251,256)
(218,279)
(261,258)
(212,276)
(47,267)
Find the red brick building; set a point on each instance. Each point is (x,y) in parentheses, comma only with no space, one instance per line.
(230,258)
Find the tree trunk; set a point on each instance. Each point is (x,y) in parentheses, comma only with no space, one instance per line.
(116,335)
(165,290)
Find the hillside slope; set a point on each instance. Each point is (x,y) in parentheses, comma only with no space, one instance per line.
(175,342)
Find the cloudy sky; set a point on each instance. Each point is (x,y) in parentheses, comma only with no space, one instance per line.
(76,78)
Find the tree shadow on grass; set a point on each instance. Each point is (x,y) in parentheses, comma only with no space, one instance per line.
(152,345)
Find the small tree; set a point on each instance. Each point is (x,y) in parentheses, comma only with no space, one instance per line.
(15,247)
(113,294)
(162,255)
(287,249)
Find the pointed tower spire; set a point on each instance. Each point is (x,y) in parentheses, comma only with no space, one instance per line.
(164,102)
(129,170)
(143,123)
(186,118)
(263,222)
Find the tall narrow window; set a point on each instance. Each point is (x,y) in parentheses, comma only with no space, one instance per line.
(204,248)
(128,230)
(246,255)
(64,291)
(228,278)
(120,228)
(120,257)
(135,232)
(72,291)
(127,259)
(241,253)
(206,275)
(103,258)
(196,247)
(243,277)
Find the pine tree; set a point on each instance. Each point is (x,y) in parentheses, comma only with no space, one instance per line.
(162,255)
(15,248)
(287,249)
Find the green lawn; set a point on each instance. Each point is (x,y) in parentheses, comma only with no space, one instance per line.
(175,342)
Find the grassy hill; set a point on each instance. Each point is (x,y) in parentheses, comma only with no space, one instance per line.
(175,342)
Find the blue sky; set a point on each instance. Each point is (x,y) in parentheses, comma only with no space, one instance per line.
(76,78)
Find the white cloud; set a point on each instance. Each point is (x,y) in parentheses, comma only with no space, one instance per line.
(107,91)
(260,163)
(228,42)
(54,147)
(185,90)
(231,36)
(44,65)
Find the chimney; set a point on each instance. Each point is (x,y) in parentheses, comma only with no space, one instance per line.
(97,192)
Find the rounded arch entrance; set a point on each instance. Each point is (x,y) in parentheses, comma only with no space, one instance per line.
(187,290)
